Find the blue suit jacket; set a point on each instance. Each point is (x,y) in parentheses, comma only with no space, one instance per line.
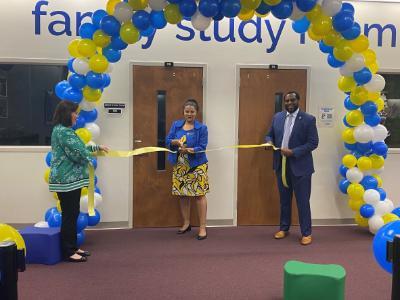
(303,140)
(198,141)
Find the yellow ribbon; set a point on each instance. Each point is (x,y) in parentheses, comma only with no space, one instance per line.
(285,184)
(91,211)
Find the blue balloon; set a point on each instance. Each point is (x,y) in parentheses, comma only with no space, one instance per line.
(49,156)
(49,212)
(54,219)
(80,238)
(141,19)
(369,108)
(301,25)
(157,19)
(60,88)
(350,147)
(382,193)
(333,62)
(356,153)
(94,220)
(188,8)
(263,8)
(94,163)
(97,190)
(69,65)
(325,48)
(86,30)
(343,170)
(306,5)
(396,211)
(106,79)
(112,55)
(209,8)
(230,8)
(380,148)
(367,211)
(283,10)
(343,185)
(97,16)
(81,222)
(363,76)
(95,80)
(73,95)
(174,1)
(369,182)
(347,8)
(353,32)
(77,81)
(349,105)
(364,147)
(345,123)
(95,180)
(148,32)
(384,235)
(80,122)
(342,21)
(90,116)
(372,120)
(110,25)
(117,43)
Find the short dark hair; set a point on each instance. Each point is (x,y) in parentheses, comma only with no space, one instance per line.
(293,92)
(62,113)
(191,102)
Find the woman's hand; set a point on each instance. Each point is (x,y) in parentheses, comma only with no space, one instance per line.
(185,150)
(178,143)
(104,148)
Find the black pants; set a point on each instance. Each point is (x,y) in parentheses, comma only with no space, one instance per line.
(70,202)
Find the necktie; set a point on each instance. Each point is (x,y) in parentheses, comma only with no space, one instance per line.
(287,131)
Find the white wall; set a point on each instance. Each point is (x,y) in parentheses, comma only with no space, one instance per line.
(23,193)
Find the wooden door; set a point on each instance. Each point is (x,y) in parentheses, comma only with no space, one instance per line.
(158,97)
(261,96)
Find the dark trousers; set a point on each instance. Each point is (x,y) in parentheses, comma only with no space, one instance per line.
(301,186)
(70,202)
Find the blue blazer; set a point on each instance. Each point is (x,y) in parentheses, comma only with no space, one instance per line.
(198,141)
(303,140)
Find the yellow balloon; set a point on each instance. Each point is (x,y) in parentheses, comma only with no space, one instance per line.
(369,56)
(379,179)
(355,191)
(250,4)
(110,8)
(84,134)
(84,191)
(342,50)
(346,83)
(138,4)
(354,117)
(377,161)
(101,39)
(360,44)
(47,175)
(58,206)
(86,48)
(387,218)
(98,63)
(364,163)
(129,33)
(348,136)
(73,48)
(374,95)
(91,95)
(272,2)
(312,35)
(349,161)
(374,67)
(332,38)
(246,14)
(172,14)
(355,204)
(322,25)
(359,95)
(380,103)
(10,234)
(314,13)
(361,221)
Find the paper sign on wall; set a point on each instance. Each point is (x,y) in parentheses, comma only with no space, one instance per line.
(326,116)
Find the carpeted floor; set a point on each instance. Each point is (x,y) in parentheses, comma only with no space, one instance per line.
(233,263)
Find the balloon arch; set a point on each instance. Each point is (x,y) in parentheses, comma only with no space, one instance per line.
(330,23)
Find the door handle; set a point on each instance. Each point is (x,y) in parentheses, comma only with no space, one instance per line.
(137,141)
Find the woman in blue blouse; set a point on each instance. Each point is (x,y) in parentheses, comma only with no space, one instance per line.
(189,178)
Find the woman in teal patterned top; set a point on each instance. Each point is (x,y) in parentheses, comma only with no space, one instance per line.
(69,174)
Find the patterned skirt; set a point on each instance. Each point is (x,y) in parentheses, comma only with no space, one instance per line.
(187,181)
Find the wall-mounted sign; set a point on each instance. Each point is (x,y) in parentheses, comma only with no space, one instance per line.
(114,109)
(326,116)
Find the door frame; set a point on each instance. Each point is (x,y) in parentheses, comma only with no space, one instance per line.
(237,104)
(130,107)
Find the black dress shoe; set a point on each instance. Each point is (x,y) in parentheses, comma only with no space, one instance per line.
(189,228)
(201,237)
(83,253)
(76,260)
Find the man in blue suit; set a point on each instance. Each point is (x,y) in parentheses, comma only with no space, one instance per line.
(295,133)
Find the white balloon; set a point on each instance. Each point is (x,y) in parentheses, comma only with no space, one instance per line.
(383,207)
(98,199)
(331,7)
(363,133)
(94,130)
(87,105)
(80,66)
(380,133)
(200,22)
(41,224)
(355,63)
(376,84)
(297,14)
(354,175)
(344,71)
(123,12)
(372,196)
(157,4)
(375,222)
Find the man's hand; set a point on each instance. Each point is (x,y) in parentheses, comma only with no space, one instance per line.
(286,152)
